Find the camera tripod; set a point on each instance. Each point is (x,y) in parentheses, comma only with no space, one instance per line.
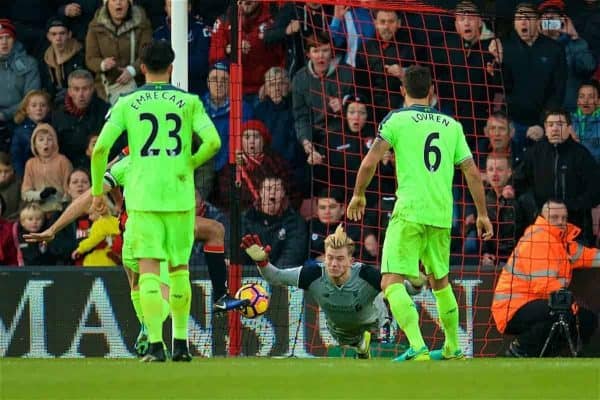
(561,326)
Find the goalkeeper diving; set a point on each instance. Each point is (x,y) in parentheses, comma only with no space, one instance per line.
(348,292)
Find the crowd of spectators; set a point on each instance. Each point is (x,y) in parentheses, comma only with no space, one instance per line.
(317,81)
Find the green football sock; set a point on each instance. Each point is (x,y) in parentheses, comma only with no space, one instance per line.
(448,311)
(405,313)
(166,309)
(137,306)
(180,298)
(152,306)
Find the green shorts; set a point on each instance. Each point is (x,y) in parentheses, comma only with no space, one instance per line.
(167,236)
(406,243)
(131,263)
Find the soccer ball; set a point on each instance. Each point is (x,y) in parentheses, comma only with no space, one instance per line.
(259,300)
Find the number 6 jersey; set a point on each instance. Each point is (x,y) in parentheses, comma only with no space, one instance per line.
(427,145)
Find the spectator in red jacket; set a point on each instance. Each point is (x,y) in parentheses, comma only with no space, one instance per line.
(257,57)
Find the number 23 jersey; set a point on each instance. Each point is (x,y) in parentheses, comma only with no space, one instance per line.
(427,146)
(160,120)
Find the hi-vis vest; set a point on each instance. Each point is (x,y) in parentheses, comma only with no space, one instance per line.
(542,262)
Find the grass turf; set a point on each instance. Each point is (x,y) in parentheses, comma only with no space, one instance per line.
(326,378)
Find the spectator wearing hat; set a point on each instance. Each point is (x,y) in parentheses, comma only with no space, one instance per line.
(216,103)
(198,46)
(256,160)
(534,71)
(18,75)
(467,79)
(63,56)
(78,14)
(581,63)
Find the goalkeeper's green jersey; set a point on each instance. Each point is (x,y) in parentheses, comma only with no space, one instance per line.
(159,120)
(427,146)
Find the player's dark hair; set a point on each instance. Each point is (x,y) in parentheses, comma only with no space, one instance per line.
(417,81)
(558,111)
(157,56)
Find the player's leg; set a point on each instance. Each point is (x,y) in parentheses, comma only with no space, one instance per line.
(212,233)
(401,250)
(132,270)
(148,250)
(436,257)
(179,242)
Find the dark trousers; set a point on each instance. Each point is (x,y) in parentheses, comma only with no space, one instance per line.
(533,321)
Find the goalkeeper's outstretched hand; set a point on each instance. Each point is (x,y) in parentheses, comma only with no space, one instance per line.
(255,249)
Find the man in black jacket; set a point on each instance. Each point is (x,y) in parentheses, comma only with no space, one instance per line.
(81,115)
(276,223)
(467,79)
(379,72)
(558,167)
(534,71)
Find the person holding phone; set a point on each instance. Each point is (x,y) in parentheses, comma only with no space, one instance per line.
(581,63)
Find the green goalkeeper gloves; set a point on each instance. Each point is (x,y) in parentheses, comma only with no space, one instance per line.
(255,250)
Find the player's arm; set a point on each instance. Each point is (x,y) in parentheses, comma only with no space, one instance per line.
(77,208)
(368,166)
(204,128)
(112,129)
(275,276)
(475,184)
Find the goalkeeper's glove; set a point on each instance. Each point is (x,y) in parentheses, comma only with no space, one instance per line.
(255,250)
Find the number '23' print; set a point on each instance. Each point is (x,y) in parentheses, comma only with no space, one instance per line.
(147,149)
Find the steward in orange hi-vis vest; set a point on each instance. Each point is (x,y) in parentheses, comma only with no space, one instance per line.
(541,263)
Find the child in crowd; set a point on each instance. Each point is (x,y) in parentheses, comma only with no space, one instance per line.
(31,220)
(47,173)
(10,188)
(34,108)
(96,248)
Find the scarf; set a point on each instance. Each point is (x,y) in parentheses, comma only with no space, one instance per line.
(72,109)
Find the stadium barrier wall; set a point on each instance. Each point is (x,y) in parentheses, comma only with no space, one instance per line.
(68,312)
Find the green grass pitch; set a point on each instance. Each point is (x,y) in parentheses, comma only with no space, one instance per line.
(323,378)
